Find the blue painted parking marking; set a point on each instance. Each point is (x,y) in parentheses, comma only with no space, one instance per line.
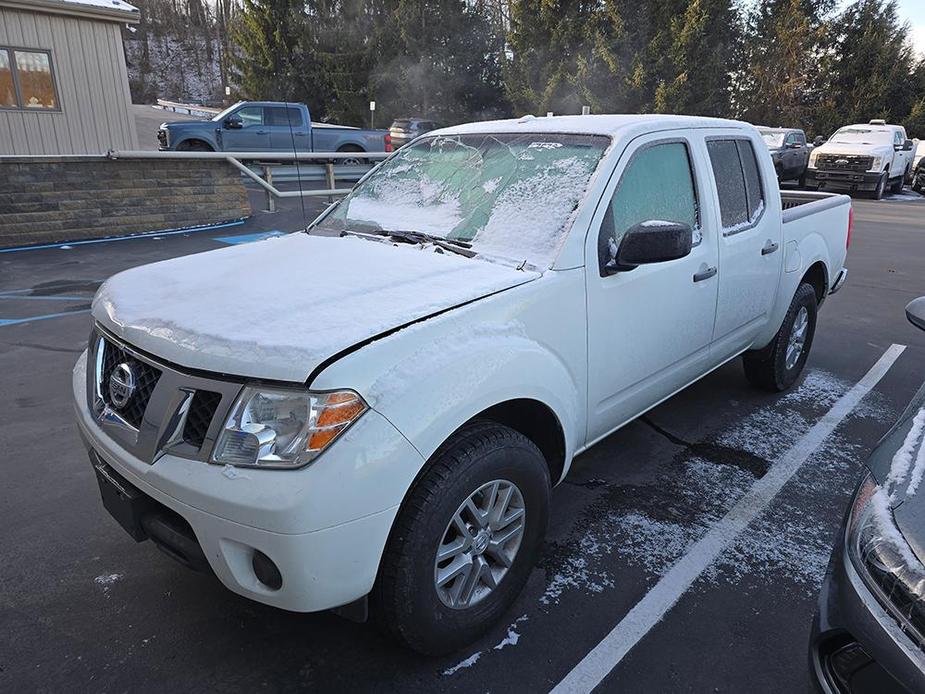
(4,322)
(18,294)
(249,238)
(143,235)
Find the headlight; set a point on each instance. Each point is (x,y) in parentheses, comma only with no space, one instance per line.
(283,428)
(883,557)
(878,162)
(812,158)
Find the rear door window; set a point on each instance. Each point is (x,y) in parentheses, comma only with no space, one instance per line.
(282,116)
(738,183)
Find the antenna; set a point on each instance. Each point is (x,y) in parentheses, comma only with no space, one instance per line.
(298,169)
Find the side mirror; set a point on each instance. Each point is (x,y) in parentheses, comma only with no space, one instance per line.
(908,145)
(652,241)
(915,312)
(818,141)
(233,123)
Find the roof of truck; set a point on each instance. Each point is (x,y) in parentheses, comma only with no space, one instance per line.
(588,125)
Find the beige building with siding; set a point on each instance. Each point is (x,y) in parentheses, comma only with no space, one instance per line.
(63,81)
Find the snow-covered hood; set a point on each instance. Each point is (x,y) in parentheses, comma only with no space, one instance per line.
(855,149)
(278,308)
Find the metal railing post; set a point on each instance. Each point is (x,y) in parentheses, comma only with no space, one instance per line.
(268,177)
(329,178)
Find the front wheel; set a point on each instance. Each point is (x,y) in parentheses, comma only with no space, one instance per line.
(776,367)
(897,186)
(881,187)
(465,540)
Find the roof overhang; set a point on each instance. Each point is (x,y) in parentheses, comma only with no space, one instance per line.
(92,10)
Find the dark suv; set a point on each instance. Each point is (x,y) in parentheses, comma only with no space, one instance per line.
(404,130)
(789,152)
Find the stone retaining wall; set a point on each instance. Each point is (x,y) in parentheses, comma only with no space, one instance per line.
(53,199)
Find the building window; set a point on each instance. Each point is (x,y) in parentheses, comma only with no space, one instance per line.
(27,80)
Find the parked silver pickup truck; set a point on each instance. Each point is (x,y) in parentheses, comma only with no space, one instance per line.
(266,126)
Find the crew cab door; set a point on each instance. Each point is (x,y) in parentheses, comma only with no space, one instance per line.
(288,129)
(750,241)
(251,136)
(649,328)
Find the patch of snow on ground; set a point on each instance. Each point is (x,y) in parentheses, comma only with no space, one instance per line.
(468,662)
(652,525)
(512,635)
(106,581)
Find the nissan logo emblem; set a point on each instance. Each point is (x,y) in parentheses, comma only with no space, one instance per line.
(121,385)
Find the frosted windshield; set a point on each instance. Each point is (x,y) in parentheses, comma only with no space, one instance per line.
(862,136)
(510,196)
(773,139)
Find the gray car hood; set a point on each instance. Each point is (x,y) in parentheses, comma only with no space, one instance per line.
(276,309)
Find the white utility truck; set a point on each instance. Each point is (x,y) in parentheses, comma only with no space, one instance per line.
(872,157)
(370,415)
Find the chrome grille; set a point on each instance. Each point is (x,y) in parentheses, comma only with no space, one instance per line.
(146,380)
(844,162)
(170,410)
(199,417)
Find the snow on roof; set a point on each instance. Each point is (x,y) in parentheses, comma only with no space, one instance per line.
(586,125)
(117,9)
(106,4)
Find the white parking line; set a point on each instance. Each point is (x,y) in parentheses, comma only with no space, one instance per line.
(595,666)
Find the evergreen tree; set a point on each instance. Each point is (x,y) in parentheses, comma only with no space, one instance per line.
(787,52)
(871,68)
(622,55)
(274,58)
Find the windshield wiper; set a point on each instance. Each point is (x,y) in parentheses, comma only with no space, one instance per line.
(462,248)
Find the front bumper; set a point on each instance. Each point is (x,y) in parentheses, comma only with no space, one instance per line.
(856,646)
(324,526)
(842,180)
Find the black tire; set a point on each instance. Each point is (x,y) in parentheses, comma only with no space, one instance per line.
(801,181)
(881,188)
(897,187)
(405,602)
(768,368)
(357,161)
(194,146)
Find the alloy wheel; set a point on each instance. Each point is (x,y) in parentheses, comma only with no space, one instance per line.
(797,339)
(479,544)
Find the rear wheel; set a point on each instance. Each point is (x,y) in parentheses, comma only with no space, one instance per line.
(465,540)
(351,161)
(777,366)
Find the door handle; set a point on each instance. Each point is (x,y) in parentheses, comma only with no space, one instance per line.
(705,274)
(769,248)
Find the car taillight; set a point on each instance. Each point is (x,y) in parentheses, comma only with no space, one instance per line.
(388,142)
(850,226)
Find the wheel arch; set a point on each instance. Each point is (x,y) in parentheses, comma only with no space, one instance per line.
(185,144)
(817,275)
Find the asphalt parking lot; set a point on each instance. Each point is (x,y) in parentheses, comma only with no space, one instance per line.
(83,608)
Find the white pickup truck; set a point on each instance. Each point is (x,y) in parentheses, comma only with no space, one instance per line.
(873,157)
(370,415)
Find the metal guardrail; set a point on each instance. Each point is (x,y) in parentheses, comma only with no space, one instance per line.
(267,161)
(189,109)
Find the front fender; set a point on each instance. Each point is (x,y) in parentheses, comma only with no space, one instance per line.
(529,342)
(491,366)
